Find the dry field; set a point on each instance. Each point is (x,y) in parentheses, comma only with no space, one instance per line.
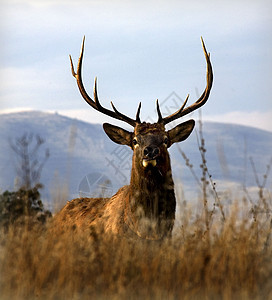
(221,253)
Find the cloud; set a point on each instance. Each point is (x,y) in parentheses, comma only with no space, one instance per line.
(261,120)
(15,110)
(139,51)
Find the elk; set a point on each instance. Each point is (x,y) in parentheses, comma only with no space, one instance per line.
(146,207)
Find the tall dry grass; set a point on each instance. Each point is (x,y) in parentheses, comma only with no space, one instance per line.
(229,260)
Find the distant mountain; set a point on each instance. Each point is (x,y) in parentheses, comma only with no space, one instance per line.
(83,161)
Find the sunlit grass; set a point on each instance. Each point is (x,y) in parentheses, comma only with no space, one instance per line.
(230,260)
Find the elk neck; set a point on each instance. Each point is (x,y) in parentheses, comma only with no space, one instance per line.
(151,196)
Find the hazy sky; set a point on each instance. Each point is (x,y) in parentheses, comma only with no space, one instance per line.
(140,51)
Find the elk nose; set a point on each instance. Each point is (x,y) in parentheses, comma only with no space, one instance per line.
(151,152)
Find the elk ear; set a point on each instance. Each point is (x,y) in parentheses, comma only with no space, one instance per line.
(117,134)
(181,132)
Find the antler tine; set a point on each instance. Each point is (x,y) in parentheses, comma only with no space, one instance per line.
(161,119)
(159,112)
(203,98)
(138,113)
(95,103)
(126,118)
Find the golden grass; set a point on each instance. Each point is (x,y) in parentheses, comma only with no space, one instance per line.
(229,260)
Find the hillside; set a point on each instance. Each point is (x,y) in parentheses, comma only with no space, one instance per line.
(82,157)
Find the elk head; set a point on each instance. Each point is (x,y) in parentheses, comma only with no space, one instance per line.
(148,141)
(151,180)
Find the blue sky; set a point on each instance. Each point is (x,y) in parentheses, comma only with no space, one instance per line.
(140,51)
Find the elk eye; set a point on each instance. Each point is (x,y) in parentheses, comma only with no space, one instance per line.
(166,141)
(134,142)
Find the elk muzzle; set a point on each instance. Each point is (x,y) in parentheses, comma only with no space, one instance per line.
(150,155)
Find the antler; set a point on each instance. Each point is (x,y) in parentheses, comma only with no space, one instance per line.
(201,101)
(95,103)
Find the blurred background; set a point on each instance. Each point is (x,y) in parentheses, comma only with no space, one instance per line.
(140,51)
